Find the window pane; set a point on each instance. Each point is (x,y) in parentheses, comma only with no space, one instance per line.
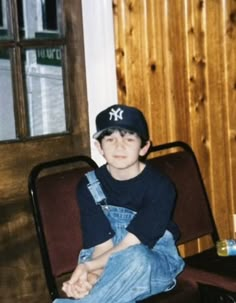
(45,95)
(49,9)
(21,18)
(4,33)
(7,119)
(39,17)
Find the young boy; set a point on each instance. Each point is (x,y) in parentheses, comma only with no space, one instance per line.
(129,238)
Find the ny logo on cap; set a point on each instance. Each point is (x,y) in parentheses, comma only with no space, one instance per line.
(116,114)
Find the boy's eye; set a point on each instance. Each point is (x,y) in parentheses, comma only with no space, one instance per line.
(130,139)
(109,139)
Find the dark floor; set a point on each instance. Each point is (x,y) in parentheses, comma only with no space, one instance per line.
(21,276)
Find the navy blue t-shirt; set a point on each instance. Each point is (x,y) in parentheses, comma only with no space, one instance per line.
(150,194)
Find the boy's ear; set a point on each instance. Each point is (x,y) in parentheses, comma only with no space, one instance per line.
(99,147)
(143,151)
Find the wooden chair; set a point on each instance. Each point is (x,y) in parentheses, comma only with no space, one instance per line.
(52,189)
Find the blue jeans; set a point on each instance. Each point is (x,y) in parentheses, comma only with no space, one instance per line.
(136,272)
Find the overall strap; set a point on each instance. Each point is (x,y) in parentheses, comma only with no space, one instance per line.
(95,188)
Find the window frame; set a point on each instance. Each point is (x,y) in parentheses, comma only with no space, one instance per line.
(17,46)
(18,157)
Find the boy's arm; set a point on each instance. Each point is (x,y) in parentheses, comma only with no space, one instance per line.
(100,258)
(100,250)
(81,281)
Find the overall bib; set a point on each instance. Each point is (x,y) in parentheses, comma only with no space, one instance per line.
(136,272)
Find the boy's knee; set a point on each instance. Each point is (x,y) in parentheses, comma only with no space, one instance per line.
(140,253)
(137,257)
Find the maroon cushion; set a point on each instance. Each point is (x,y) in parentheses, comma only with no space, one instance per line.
(212,294)
(192,213)
(61,218)
(208,260)
(197,275)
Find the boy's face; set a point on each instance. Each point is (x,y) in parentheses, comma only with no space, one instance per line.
(122,150)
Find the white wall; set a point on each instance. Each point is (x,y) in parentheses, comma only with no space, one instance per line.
(99,61)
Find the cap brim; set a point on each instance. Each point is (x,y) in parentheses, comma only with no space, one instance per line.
(99,133)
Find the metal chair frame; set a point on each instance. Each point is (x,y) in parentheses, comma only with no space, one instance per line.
(32,185)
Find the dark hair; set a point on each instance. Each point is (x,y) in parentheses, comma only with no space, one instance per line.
(122,132)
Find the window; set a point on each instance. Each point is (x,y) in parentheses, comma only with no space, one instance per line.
(1,16)
(49,15)
(32,86)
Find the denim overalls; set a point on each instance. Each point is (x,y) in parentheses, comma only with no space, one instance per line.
(136,272)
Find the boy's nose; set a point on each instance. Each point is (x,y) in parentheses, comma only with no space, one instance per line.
(120,143)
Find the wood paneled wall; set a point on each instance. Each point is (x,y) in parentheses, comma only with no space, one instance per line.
(176,60)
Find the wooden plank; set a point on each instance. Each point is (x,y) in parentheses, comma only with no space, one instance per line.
(156,69)
(179,88)
(197,81)
(216,96)
(230,55)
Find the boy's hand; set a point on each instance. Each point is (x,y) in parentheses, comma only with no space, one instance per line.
(75,290)
(80,283)
(93,277)
(77,286)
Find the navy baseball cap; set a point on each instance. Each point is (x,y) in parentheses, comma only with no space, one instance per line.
(122,117)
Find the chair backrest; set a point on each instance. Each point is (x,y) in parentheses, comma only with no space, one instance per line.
(192,212)
(52,189)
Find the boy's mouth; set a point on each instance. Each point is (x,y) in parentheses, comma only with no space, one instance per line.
(119,157)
